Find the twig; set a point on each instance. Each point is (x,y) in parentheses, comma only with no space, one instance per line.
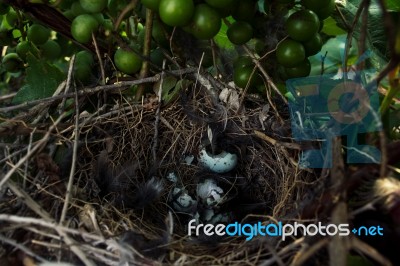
(265,74)
(7,96)
(37,147)
(26,163)
(22,248)
(363,35)
(96,47)
(68,85)
(50,224)
(157,122)
(73,164)
(370,251)
(88,91)
(284,250)
(301,257)
(30,202)
(275,142)
(126,10)
(270,83)
(144,71)
(364,5)
(49,221)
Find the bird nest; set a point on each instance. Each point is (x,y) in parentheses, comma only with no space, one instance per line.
(120,184)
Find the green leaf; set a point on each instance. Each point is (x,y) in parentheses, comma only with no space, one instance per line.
(331,27)
(376,36)
(221,38)
(172,93)
(42,80)
(393,5)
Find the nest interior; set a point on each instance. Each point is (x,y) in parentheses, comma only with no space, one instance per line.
(120,191)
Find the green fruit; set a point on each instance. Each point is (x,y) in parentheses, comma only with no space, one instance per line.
(206,22)
(151,4)
(157,57)
(93,6)
(257,45)
(51,50)
(325,12)
(99,17)
(77,9)
(82,72)
(240,32)
(23,48)
(220,3)
(244,10)
(12,17)
(127,61)
(241,77)
(83,26)
(243,61)
(84,57)
(301,70)
(290,53)
(302,25)
(159,33)
(69,14)
(176,12)
(11,62)
(83,66)
(38,34)
(313,45)
(323,8)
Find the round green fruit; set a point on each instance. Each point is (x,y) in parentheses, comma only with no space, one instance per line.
(206,22)
(83,26)
(245,77)
(220,3)
(313,45)
(176,12)
(11,17)
(159,33)
(157,57)
(323,8)
(23,48)
(302,25)
(127,61)
(325,12)
(69,14)
(290,53)
(240,32)
(11,62)
(93,6)
(77,9)
(84,57)
(301,70)
(51,50)
(151,4)
(38,34)
(82,72)
(83,66)
(242,61)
